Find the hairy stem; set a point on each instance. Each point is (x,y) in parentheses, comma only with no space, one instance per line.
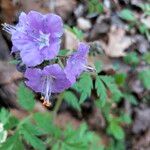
(57,106)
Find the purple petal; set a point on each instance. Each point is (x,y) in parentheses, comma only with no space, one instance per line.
(34,77)
(54,25)
(31,57)
(77,62)
(35,20)
(14,49)
(22,19)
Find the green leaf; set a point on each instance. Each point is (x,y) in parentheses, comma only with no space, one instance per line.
(111,85)
(131,98)
(126,118)
(101,90)
(33,140)
(98,66)
(146,57)
(13,143)
(132,58)
(63,52)
(71,99)
(78,33)
(33,129)
(127,15)
(116,130)
(7,119)
(144,76)
(44,122)
(83,97)
(25,97)
(4,116)
(99,7)
(120,78)
(94,6)
(15,62)
(81,139)
(84,86)
(13,122)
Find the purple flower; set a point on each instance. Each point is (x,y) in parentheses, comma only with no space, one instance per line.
(36,36)
(77,62)
(52,79)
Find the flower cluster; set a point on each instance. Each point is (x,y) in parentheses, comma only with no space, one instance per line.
(37,39)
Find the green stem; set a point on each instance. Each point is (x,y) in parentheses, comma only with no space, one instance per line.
(60,63)
(57,106)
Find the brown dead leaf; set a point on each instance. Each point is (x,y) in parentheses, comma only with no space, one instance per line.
(117,43)
(63,118)
(71,40)
(41,6)
(8,11)
(65,7)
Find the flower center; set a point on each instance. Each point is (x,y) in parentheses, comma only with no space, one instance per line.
(43,40)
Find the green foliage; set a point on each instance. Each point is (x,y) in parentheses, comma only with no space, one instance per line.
(125,118)
(132,58)
(77,32)
(127,15)
(32,139)
(63,52)
(84,86)
(79,139)
(145,8)
(131,98)
(71,99)
(15,62)
(98,66)
(13,143)
(101,91)
(144,76)
(25,97)
(116,145)
(146,57)
(94,6)
(116,130)
(120,78)
(111,85)
(30,129)
(102,84)
(7,119)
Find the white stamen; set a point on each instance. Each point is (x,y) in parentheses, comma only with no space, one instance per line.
(47,88)
(43,39)
(89,68)
(8,28)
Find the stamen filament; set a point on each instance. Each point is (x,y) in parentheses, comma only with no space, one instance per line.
(46,90)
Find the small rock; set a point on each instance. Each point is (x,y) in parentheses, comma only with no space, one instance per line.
(102,26)
(84,24)
(79,11)
(142,43)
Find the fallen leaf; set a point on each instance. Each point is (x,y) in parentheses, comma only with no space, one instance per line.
(71,40)
(118,42)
